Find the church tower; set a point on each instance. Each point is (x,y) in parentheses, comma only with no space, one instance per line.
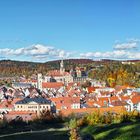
(39,81)
(62,69)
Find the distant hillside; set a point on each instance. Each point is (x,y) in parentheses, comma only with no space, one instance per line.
(10,68)
(110,60)
(13,68)
(74,61)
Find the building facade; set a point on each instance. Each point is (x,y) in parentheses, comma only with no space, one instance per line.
(33,105)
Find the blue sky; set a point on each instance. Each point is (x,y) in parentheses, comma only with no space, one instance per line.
(42,30)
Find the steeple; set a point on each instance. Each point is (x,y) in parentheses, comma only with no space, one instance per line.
(62,69)
(39,81)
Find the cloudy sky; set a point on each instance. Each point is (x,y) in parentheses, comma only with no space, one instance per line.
(42,30)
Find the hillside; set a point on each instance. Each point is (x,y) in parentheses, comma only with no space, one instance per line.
(17,68)
(120,131)
(111,71)
(123,131)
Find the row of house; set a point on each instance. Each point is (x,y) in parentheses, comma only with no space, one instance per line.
(60,98)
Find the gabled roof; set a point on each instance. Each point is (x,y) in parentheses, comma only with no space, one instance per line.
(73,92)
(91,89)
(65,101)
(136,99)
(38,100)
(56,73)
(114,98)
(52,84)
(102,101)
(119,103)
(125,98)
(8,104)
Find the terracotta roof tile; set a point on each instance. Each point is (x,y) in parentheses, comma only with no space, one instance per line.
(65,101)
(56,73)
(52,84)
(135,99)
(91,89)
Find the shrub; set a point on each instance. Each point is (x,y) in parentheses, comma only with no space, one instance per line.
(74,134)
(93,118)
(73,124)
(125,117)
(107,118)
(3,123)
(18,121)
(82,121)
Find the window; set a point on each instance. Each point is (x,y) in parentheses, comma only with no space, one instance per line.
(32,106)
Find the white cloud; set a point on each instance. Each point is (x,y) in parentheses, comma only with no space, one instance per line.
(133,39)
(118,54)
(37,51)
(126,46)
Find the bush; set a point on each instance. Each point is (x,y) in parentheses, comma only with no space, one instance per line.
(82,121)
(93,118)
(107,118)
(74,134)
(73,124)
(3,123)
(125,117)
(18,121)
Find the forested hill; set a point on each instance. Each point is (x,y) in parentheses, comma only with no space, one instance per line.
(12,68)
(112,71)
(20,68)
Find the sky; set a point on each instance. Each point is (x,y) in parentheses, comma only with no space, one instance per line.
(44,30)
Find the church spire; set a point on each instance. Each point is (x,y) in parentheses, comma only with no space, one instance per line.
(62,69)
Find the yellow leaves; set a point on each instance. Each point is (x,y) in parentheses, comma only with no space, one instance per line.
(111,81)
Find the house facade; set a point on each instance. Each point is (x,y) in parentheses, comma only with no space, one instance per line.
(33,105)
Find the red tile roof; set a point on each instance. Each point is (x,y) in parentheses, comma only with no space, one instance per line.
(117,109)
(21,112)
(119,103)
(9,104)
(52,84)
(90,103)
(56,73)
(125,98)
(65,101)
(114,98)
(74,92)
(91,89)
(136,99)
(102,101)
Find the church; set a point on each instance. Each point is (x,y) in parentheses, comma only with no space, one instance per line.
(59,75)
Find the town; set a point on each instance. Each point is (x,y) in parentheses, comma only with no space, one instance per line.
(64,93)
(69,70)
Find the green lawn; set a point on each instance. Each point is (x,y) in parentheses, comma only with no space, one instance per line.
(53,135)
(123,131)
(35,131)
(120,131)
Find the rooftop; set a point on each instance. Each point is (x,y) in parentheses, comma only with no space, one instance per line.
(38,100)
